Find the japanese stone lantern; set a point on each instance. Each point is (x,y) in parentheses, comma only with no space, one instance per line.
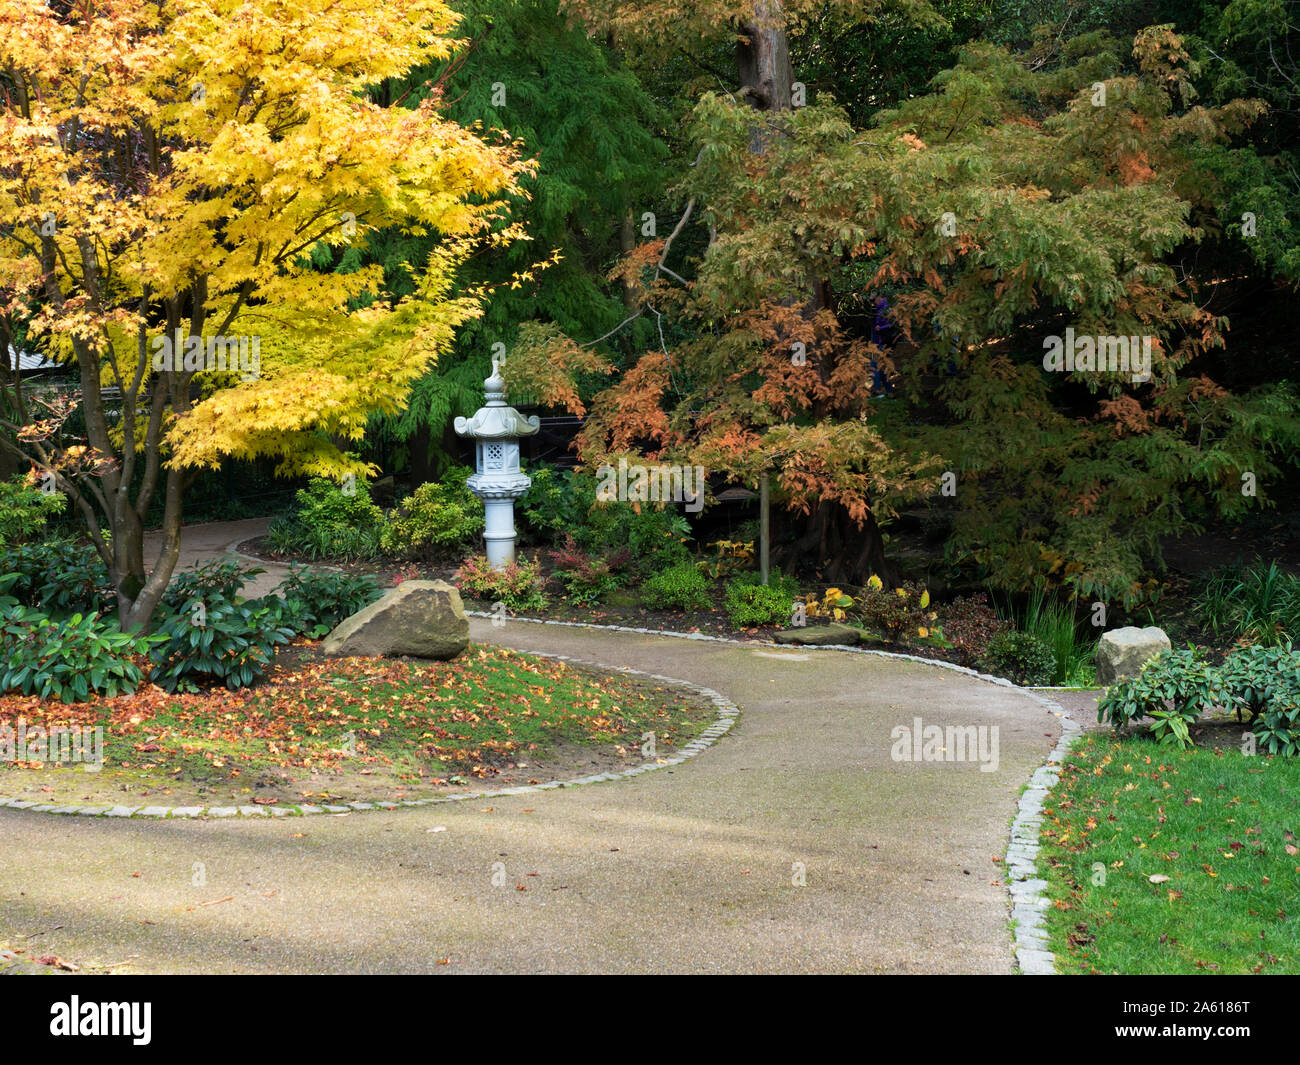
(496,429)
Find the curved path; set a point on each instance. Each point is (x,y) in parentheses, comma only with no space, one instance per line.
(689,869)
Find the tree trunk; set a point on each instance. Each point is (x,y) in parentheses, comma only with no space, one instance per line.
(764,60)
(845,554)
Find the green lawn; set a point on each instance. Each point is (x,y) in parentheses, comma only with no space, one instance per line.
(1167,861)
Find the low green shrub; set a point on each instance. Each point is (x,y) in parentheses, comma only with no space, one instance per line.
(1252,678)
(439,516)
(750,605)
(60,577)
(680,587)
(68,660)
(231,644)
(25,509)
(1021,657)
(1176,687)
(214,583)
(1173,689)
(1279,730)
(518,585)
(318,599)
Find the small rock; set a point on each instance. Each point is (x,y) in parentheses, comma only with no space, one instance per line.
(820,635)
(1123,652)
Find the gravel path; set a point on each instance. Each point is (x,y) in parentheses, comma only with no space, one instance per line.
(796,844)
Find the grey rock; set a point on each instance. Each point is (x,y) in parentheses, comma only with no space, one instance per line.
(819,635)
(423,619)
(1123,652)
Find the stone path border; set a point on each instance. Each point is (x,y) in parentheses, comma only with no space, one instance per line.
(727,712)
(1029,901)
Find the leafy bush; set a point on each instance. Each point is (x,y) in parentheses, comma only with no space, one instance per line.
(1254,677)
(518,585)
(233,645)
(969,624)
(1252,603)
(1174,689)
(588,578)
(324,504)
(60,577)
(437,516)
(69,660)
(1021,657)
(214,583)
(24,510)
(680,587)
(330,524)
(1279,731)
(749,604)
(319,600)
(895,612)
(563,503)
(556,503)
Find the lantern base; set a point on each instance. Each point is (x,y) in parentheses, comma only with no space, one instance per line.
(499,532)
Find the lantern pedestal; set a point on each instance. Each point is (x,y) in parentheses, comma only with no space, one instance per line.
(498,480)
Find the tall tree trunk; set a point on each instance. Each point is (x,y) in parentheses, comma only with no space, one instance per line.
(764,60)
(846,553)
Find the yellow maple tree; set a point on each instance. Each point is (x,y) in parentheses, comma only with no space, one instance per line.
(166,168)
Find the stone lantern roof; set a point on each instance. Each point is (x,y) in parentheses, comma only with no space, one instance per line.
(496,420)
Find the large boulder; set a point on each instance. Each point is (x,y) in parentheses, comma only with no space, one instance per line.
(1123,652)
(423,619)
(832,635)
